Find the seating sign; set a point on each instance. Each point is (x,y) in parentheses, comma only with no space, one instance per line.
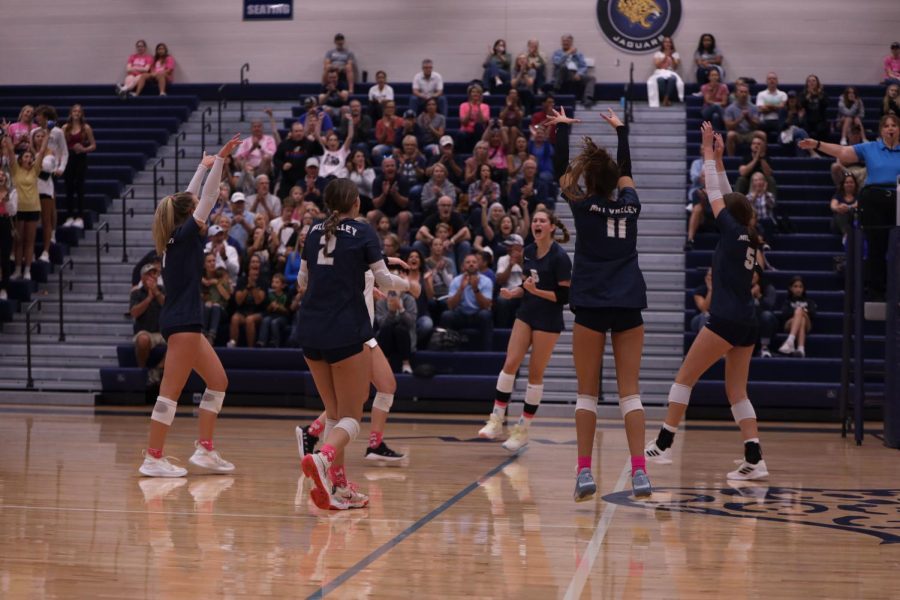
(258,10)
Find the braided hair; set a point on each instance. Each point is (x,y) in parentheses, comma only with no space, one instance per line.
(563,237)
(340,197)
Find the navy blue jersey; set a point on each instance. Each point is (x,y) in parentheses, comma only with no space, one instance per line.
(606,272)
(732,271)
(333,312)
(182,269)
(547,271)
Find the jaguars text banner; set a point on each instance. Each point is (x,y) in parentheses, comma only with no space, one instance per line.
(257,10)
(638,25)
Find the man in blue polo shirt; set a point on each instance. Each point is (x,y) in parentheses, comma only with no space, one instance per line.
(469,302)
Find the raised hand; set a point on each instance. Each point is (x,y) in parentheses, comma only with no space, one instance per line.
(707,136)
(719,146)
(559,116)
(207,160)
(612,118)
(230,146)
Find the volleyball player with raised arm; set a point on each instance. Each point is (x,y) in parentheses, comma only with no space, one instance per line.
(539,321)
(335,327)
(179,231)
(732,329)
(607,292)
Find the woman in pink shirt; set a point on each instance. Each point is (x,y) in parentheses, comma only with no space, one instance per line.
(473,118)
(20,131)
(138,64)
(162,70)
(715,99)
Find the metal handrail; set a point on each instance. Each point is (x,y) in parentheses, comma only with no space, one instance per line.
(71,264)
(222,101)
(29,383)
(629,90)
(244,82)
(204,127)
(104,226)
(157,180)
(179,154)
(129,212)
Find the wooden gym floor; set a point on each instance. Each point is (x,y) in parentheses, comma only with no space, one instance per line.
(464,519)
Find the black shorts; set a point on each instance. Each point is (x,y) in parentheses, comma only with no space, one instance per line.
(333,355)
(734,332)
(608,319)
(45,196)
(167,331)
(29,215)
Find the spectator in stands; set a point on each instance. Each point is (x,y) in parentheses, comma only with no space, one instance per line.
(433,125)
(395,320)
(455,167)
(539,118)
(515,160)
(241,219)
(24,171)
(390,245)
(335,155)
(764,304)
(53,164)
(510,277)
(290,158)
(225,255)
(80,141)
(440,271)
(484,191)
(263,201)
(791,123)
(409,127)
(385,130)
(511,116)
(249,298)
(424,322)
(379,93)
(392,198)
(360,172)
(313,184)
(276,319)
(702,302)
(459,239)
(570,72)
(162,71)
(497,67)
(427,84)
(707,58)
(215,285)
(495,136)
(485,262)
(798,313)
(474,116)
(254,156)
(411,166)
(542,151)
(715,100)
(469,303)
(843,203)
(754,161)
(851,111)
(6,235)
(358,127)
(892,66)
(342,61)
(742,120)
(334,95)
(314,112)
(890,105)
(140,63)
(537,62)
(490,216)
(20,131)
(814,108)
(770,103)
(523,81)
(763,200)
(858,169)
(145,305)
(665,84)
(436,187)
(293,260)
(530,188)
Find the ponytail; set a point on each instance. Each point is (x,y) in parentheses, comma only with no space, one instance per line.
(330,228)
(598,170)
(171,212)
(563,236)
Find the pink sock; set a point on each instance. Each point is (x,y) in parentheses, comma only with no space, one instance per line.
(375,438)
(499,404)
(207,444)
(155,453)
(584,462)
(638,462)
(316,428)
(328,452)
(338,476)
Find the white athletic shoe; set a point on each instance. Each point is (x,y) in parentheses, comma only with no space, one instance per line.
(70,222)
(44,257)
(661,457)
(26,273)
(79,223)
(351,496)
(518,438)
(749,472)
(492,429)
(53,236)
(3,295)
(160,467)
(18,273)
(787,348)
(210,460)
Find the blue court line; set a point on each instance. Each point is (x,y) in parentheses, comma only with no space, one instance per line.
(394,542)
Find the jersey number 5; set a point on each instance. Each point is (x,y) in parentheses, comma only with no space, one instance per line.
(751,259)
(323,258)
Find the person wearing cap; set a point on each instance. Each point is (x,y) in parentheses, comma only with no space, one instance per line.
(433,126)
(255,153)
(469,303)
(290,157)
(427,84)
(341,60)
(241,219)
(446,157)
(892,65)
(145,304)
(509,277)
(264,201)
(334,94)
(379,93)
(313,185)
(226,256)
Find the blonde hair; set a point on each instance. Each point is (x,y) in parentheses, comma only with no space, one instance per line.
(171,212)
(340,196)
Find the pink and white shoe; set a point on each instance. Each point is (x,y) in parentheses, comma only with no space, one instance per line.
(351,496)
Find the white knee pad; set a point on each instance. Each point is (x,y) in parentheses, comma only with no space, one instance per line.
(351,426)
(505,382)
(586,402)
(212,400)
(383,401)
(742,410)
(533,393)
(680,394)
(329,425)
(164,410)
(630,404)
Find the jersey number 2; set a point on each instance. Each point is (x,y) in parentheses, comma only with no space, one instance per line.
(328,259)
(751,259)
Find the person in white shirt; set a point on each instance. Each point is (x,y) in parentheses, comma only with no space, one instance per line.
(770,101)
(427,84)
(379,93)
(509,276)
(263,201)
(283,227)
(665,82)
(226,255)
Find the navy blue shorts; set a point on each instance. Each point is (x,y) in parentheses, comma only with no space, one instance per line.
(550,323)
(180,329)
(333,355)
(734,332)
(612,319)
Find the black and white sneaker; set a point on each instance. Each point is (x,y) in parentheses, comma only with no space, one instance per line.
(749,472)
(383,453)
(306,442)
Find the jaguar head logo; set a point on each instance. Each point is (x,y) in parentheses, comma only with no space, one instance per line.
(640,12)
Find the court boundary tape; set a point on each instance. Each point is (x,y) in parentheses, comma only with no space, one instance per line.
(586,564)
(400,537)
